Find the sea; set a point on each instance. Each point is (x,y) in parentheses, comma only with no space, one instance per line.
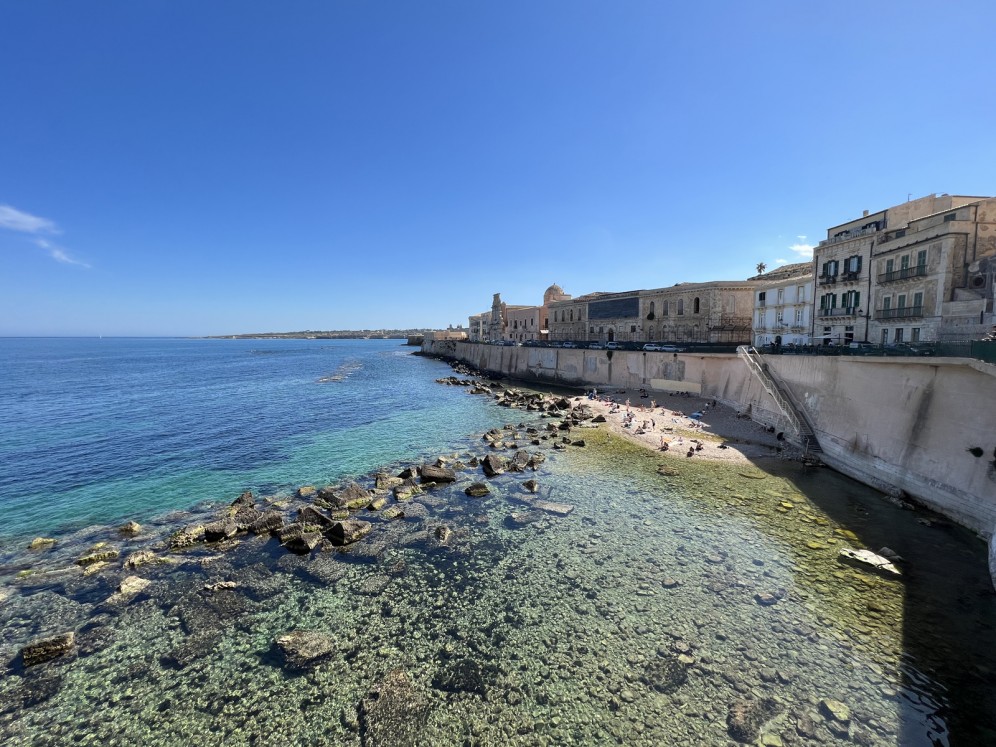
(671,602)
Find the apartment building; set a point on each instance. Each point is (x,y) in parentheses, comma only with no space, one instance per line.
(783,306)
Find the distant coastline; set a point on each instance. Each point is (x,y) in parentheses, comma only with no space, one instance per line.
(363,334)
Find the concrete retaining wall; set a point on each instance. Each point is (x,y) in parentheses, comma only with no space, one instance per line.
(898,424)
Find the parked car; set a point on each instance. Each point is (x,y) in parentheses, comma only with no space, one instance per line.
(670,349)
(569,344)
(905,348)
(613,346)
(652,346)
(596,346)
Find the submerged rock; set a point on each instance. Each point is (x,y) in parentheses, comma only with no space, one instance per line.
(41,543)
(463,676)
(531,485)
(477,490)
(665,674)
(46,649)
(746,717)
(559,509)
(392,713)
(305,649)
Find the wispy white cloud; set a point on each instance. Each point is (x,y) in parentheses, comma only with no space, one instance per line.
(801,238)
(59,254)
(17,220)
(781,261)
(805,251)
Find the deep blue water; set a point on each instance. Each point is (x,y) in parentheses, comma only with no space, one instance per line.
(104,430)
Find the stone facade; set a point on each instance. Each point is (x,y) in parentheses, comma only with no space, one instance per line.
(718,311)
(847,283)
(934,277)
(783,306)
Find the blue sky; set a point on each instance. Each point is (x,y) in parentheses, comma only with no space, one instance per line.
(190,167)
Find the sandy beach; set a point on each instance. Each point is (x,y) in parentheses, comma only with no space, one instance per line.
(721,434)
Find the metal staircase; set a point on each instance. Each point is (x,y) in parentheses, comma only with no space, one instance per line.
(793,414)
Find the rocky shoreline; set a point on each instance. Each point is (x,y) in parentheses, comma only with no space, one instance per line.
(210,579)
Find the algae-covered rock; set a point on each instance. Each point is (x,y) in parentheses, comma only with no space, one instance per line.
(187,536)
(139,558)
(130,529)
(97,556)
(477,490)
(305,649)
(393,512)
(44,649)
(377,504)
(41,543)
(307,491)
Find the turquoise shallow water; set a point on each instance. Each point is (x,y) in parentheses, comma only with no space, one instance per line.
(632,620)
(98,431)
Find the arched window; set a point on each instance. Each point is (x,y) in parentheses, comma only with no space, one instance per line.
(681,306)
(666,308)
(695,305)
(651,309)
(572,315)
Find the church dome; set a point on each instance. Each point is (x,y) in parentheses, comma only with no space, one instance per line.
(554,293)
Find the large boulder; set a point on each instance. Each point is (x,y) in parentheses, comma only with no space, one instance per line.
(269,522)
(305,649)
(494,464)
(220,530)
(431,473)
(349,531)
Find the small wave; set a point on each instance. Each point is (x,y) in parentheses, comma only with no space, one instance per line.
(342,373)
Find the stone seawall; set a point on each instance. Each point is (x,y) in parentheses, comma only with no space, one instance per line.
(921,426)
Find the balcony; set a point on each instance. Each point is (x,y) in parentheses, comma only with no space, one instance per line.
(828,279)
(903,312)
(848,235)
(849,276)
(917,271)
(842,311)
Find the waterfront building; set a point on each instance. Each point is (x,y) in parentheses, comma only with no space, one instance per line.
(934,276)
(847,284)
(605,317)
(717,311)
(518,323)
(783,305)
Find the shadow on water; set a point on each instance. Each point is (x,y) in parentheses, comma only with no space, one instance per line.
(949,608)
